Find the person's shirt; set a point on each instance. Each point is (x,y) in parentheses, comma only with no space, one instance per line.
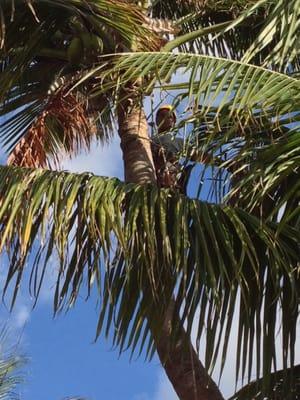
(169,142)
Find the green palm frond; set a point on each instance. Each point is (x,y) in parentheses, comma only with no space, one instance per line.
(262,32)
(239,114)
(254,390)
(188,42)
(237,92)
(281,31)
(8,379)
(271,180)
(141,246)
(261,164)
(232,109)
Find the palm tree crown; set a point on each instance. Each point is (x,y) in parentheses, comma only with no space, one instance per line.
(71,70)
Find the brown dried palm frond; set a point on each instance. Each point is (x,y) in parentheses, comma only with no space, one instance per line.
(65,123)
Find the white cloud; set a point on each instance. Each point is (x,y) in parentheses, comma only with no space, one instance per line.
(14,321)
(20,316)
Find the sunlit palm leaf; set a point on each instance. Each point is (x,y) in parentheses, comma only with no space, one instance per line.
(242,91)
(8,379)
(204,255)
(263,32)
(281,30)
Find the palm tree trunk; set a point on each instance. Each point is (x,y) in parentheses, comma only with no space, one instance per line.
(180,361)
(135,143)
(185,371)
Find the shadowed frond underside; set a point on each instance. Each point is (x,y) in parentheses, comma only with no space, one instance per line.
(254,390)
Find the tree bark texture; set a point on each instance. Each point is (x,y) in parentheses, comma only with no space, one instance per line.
(180,361)
(135,143)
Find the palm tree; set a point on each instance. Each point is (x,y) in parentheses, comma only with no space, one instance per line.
(160,260)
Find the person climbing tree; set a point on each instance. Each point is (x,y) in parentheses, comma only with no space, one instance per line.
(167,150)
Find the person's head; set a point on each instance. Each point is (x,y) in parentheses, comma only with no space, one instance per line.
(165,118)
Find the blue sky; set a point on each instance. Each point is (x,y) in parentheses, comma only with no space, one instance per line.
(64,360)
